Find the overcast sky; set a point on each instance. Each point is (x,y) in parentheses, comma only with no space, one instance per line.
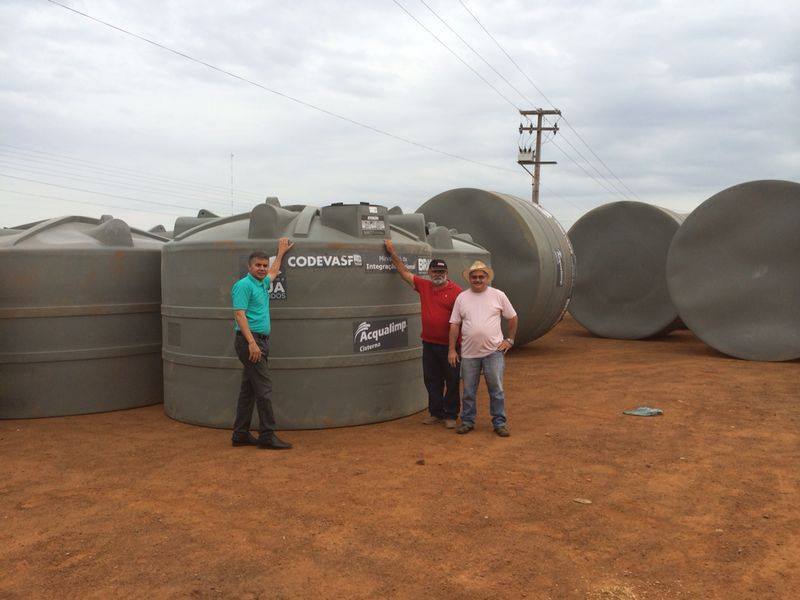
(679,99)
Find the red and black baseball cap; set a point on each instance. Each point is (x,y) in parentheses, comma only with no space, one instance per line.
(437,264)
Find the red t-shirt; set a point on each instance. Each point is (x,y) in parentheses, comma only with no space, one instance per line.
(437,305)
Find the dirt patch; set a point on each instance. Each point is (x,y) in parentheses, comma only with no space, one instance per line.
(701,502)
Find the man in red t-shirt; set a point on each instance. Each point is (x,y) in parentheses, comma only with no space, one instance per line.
(437,296)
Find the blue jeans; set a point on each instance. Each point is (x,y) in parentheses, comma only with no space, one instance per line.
(492,366)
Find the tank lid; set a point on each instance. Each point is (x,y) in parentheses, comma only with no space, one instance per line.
(112,232)
(412,224)
(183,224)
(357,220)
(440,238)
(265,221)
(302,225)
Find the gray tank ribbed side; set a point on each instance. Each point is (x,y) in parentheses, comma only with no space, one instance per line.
(79,318)
(337,285)
(733,270)
(531,254)
(621,255)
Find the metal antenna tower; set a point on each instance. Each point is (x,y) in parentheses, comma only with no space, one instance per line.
(233,209)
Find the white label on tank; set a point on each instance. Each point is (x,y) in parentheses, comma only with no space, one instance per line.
(373,209)
(380,262)
(373,225)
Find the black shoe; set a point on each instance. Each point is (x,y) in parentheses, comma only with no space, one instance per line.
(465,427)
(273,442)
(241,440)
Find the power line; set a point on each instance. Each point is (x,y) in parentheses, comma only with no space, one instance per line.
(615,191)
(451,51)
(112,169)
(602,184)
(569,125)
(578,152)
(66,187)
(585,143)
(111,206)
(476,53)
(281,94)
(100,181)
(504,51)
(562,198)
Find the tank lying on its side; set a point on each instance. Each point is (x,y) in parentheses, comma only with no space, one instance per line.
(733,270)
(621,256)
(531,254)
(344,346)
(79,318)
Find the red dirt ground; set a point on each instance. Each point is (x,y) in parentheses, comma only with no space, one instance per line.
(699,503)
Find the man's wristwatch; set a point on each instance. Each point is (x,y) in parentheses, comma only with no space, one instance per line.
(510,341)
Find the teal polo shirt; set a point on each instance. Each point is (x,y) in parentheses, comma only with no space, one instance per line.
(252,296)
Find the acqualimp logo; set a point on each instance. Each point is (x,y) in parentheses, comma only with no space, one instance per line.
(364,326)
(380,335)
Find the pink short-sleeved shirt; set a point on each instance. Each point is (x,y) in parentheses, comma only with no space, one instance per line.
(479,315)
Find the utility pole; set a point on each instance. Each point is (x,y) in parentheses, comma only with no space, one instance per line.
(529,156)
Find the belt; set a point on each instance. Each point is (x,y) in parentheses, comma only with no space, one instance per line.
(261,336)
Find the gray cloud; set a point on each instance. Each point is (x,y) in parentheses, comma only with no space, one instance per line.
(680,99)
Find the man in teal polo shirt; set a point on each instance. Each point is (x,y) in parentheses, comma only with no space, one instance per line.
(251,311)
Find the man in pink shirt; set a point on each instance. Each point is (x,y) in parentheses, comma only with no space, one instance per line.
(477,316)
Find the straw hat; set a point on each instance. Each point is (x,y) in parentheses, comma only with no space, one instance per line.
(478,265)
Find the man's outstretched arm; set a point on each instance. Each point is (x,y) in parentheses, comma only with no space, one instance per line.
(407,275)
(284,245)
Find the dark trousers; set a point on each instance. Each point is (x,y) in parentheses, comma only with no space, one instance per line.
(256,389)
(441,381)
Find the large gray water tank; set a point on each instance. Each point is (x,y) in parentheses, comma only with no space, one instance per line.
(344,346)
(733,271)
(621,255)
(531,254)
(79,318)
